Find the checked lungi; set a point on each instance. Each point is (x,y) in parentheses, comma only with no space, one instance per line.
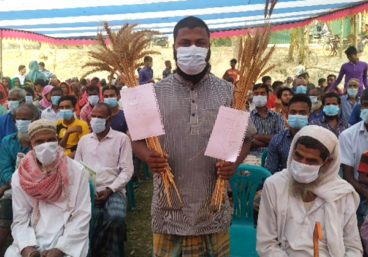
(108,227)
(213,245)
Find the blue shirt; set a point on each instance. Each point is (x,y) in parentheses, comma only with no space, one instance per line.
(7,125)
(272,124)
(346,107)
(341,125)
(10,147)
(355,115)
(145,74)
(316,116)
(119,123)
(278,151)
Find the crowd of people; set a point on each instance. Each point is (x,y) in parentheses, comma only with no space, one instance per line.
(66,158)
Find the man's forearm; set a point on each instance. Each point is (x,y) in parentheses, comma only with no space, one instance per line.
(64,140)
(141,150)
(243,153)
(263,138)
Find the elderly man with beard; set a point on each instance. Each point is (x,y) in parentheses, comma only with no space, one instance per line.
(11,146)
(51,200)
(307,191)
(189,102)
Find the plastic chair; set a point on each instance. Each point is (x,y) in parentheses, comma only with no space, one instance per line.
(244,184)
(130,195)
(263,157)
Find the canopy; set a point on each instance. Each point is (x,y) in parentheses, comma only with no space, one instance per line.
(84,18)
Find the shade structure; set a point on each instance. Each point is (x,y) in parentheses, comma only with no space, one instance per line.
(55,20)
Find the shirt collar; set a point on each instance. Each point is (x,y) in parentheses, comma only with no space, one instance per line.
(190,84)
(109,135)
(267,113)
(362,127)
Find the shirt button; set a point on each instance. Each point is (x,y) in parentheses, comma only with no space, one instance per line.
(193,101)
(193,114)
(192,89)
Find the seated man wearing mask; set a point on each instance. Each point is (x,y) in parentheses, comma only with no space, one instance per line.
(16,97)
(70,129)
(315,96)
(282,103)
(298,117)
(51,200)
(350,99)
(189,101)
(331,114)
(301,86)
(93,93)
(307,191)
(268,123)
(52,112)
(109,153)
(12,148)
(111,97)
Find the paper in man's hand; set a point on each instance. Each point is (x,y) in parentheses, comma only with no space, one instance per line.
(228,134)
(142,112)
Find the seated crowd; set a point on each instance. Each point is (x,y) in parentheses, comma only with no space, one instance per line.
(66,158)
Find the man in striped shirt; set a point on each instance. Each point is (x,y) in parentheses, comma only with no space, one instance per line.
(189,102)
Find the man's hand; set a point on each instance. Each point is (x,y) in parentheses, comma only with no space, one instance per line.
(157,162)
(102,196)
(54,252)
(225,169)
(30,251)
(72,154)
(3,189)
(74,129)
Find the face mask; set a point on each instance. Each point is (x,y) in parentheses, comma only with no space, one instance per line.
(191,60)
(297,121)
(304,173)
(112,101)
(66,114)
(22,125)
(93,99)
(313,99)
(55,99)
(13,106)
(98,125)
(29,99)
(259,100)
(364,115)
(301,89)
(331,110)
(352,92)
(47,152)
(316,106)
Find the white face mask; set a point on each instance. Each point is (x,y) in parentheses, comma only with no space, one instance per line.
(259,100)
(191,60)
(304,173)
(47,152)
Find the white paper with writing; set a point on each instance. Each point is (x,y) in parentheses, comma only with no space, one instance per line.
(228,134)
(141,112)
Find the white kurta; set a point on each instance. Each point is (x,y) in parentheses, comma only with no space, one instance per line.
(57,227)
(285,228)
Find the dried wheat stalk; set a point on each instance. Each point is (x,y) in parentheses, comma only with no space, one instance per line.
(122,57)
(253,57)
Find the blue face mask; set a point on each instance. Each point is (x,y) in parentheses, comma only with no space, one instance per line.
(297,121)
(301,89)
(364,115)
(22,125)
(331,110)
(66,114)
(93,99)
(98,125)
(352,92)
(55,99)
(112,101)
(314,99)
(29,99)
(13,106)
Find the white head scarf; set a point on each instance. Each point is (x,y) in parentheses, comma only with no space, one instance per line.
(331,188)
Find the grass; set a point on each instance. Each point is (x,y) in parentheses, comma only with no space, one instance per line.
(139,233)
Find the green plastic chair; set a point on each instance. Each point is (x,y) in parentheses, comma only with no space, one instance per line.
(263,158)
(244,184)
(130,195)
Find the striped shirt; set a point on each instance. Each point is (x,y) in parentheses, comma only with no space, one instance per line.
(189,113)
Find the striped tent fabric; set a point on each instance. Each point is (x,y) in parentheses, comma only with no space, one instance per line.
(82,18)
